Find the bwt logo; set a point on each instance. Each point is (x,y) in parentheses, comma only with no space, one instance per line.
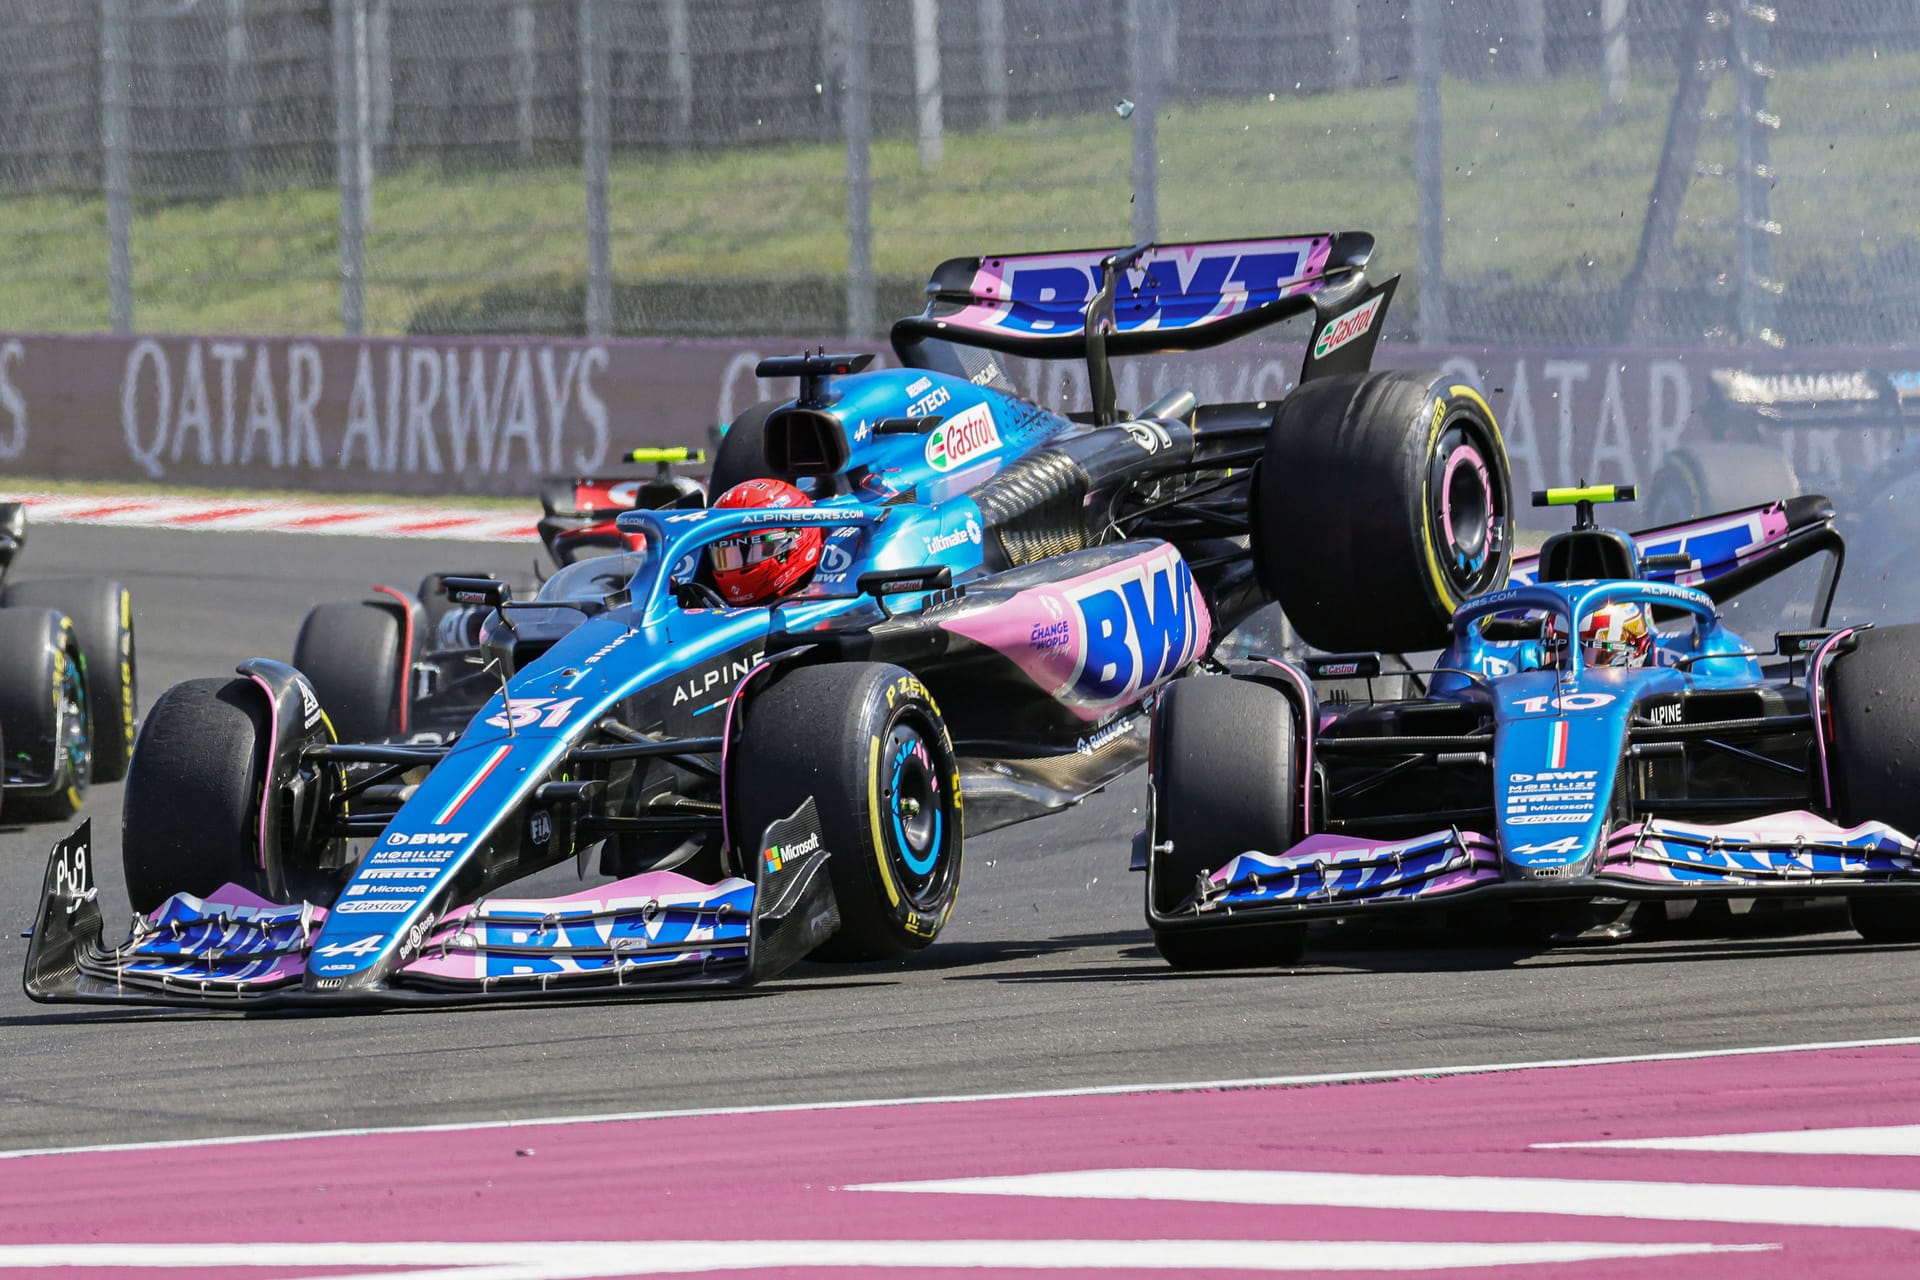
(1046,299)
(1140,628)
(417,839)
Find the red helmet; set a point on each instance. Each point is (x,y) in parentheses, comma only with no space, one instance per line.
(761,566)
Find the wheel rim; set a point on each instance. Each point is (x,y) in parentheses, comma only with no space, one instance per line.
(915,817)
(75,738)
(1469,506)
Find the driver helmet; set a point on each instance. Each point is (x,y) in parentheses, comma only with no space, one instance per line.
(761,566)
(1617,635)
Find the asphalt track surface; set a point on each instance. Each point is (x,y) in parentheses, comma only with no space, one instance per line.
(1044,980)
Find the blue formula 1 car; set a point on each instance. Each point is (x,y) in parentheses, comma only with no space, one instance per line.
(1593,737)
(1000,592)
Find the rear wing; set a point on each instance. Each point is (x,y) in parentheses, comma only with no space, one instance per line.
(1727,554)
(1153,298)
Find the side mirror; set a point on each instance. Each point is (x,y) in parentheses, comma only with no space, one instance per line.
(880,583)
(486,591)
(1342,666)
(888,582)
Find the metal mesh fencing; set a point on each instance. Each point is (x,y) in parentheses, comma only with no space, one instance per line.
(1649,171)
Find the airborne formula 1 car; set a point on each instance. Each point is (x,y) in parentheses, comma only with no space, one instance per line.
(66,684)
(1535,773)
(1001,590)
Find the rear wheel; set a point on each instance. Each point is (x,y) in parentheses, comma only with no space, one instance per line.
(866,741)
(102,614)
(190,821)
(353,652)
(1874,698)
(1431,527)
(44,704)
(1223,784)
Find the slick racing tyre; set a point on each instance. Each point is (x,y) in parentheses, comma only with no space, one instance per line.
(46,711)
(1874,699)
(102,614)
(1382,501)
(866,741)
(1223,783)
(354,654)
(191,815)
(742,454)
(1710,478)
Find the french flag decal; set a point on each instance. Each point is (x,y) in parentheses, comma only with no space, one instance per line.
(473,784)
(1557,745)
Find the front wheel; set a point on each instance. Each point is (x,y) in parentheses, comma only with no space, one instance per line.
(1382,501)
(867,742)
(1874,701)
(1223,783)
(191,816)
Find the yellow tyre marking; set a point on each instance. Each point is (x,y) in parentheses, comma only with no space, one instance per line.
(873,820)
(126,665)
(1426,484)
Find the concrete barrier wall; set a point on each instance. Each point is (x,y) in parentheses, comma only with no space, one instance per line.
(422,415)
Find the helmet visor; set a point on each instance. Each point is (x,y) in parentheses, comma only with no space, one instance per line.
(734,554)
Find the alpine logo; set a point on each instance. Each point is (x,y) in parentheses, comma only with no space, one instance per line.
(1344,329)
(702,683)
(309,705)
(961,438)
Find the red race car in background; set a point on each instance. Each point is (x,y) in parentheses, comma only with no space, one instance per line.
(578,511)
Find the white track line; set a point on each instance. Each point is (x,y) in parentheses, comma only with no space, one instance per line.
(1866,1140)
(578,1260)
(262,515)
(1090,1091)
(1858,1208)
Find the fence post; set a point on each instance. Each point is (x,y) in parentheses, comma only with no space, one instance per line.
(1346,43)
(523,74)
(234,86)
(1429,176)
(1613,35)
(596,143)
(377,80)
(993,61)
(680,73)
(1144,46)
(832,64)
(928,108)
(353,156)
(857,122)
(115,143)
(1754,178)
(1532,43)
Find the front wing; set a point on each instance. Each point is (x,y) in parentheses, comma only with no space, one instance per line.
(654,932)
(1788,854)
